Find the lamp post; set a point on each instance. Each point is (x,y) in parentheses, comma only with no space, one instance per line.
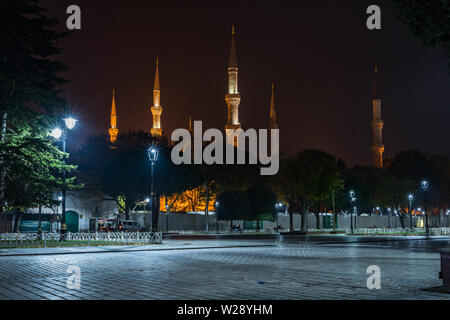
(167,218)
(278,205)
(389,218)
(153,154)
(57,133)
(217,216)
(352,199)
(424,184)
(410,198)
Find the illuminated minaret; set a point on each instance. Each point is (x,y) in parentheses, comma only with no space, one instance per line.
(377,127)
(157,108)
(189,143)
(191,130)
(233,98)
(273,114)
(113,131)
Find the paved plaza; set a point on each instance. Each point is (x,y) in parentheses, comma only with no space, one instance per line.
(228,269)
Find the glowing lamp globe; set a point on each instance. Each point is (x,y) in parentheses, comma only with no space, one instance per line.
(153,154)
(56,133)
(424,185)
(70,122)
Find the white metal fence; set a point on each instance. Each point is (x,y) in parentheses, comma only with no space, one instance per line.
(80,239)
(400,231)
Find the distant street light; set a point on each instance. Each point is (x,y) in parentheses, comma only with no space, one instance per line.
(410,198)
(217,215)
(424,184)
(352,199)
(153,154)
(57,133)
(167,218)
(278,205)
(389,217)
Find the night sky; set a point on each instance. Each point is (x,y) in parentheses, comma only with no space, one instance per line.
(319,53)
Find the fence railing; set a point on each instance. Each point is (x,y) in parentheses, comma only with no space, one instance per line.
(400,231)
(78,239)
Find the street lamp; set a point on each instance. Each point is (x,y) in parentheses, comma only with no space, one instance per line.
(278,205)
(217,215)
(389,217)
(410,198)
(153,154)
(70,122)
(167,218)
(352,199)
(57,133)
(424,184)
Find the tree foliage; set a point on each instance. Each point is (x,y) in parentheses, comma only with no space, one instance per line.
(30,163)
(233,205)
(262,203)
(427,20)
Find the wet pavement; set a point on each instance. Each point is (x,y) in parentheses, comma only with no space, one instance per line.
(294,268)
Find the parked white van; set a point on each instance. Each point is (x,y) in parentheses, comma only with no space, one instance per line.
(130,226)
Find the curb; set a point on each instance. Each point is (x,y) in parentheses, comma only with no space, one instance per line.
(136,250)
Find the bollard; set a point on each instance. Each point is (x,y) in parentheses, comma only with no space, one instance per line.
(445,269)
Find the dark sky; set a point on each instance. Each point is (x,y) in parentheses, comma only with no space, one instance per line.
(319,53)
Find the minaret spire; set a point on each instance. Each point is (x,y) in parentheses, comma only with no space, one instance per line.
(375,83)
(233,53)
(273,114)
(157,108)
(157,85)
(377,126)
(190,124)
(233,98)
(113,131)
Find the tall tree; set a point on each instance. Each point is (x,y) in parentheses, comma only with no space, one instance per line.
(314,176)
(233,205)
(363,181)
(440,180)
(126,176)
(427,20)
(28,77)
(392,192)
(286,187)
(262,204)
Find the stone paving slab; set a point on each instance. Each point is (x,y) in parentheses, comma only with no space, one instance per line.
(302,271)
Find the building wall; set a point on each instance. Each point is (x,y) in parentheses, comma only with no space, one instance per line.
(87,205)
(197,222)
